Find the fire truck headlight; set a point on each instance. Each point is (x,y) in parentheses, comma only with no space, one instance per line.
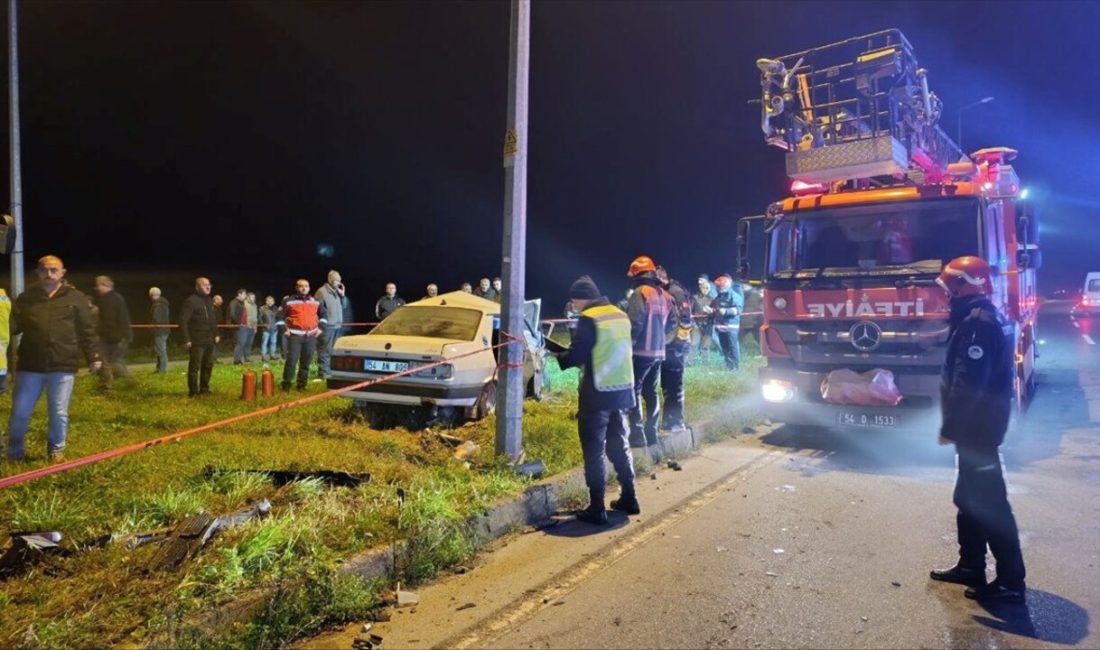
(780,303)
(777,390)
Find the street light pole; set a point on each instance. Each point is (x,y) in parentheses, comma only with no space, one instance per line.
(16,163)
(509,434)
(959,132)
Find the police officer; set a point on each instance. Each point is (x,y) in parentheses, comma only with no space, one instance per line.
(678,332)
(977,390)
(726,309)
(602,346)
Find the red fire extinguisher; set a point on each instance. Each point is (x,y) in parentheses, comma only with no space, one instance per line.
(267,382)
(248,385)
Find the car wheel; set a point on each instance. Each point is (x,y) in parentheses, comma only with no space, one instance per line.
(535,386)
(377,416)
(415,418)
(487,401)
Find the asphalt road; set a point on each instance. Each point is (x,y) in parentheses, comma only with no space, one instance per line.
(785,539)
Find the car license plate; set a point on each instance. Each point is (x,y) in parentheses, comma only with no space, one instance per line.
(382,365)
(850,419)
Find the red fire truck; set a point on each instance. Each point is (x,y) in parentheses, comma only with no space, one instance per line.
(881,198)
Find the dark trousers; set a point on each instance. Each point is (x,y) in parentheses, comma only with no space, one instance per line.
(243,343)
(299,355)
(160,346)
(643,431)
(604,432)
(985,518)
(114,363)
(672,382)
(731,347)
(200,363)
(324,350)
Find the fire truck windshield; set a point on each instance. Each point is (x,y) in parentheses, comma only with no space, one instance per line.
(910,238)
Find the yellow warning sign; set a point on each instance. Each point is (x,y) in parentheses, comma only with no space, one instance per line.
(511,143)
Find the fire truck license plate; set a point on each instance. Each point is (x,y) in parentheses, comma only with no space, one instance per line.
(849,419)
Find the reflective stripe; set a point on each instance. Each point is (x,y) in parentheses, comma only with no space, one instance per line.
(612,356)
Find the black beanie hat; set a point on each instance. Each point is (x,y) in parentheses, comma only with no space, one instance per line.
(584,288)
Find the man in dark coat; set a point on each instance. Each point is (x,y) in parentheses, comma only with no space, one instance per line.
(114,332)
(56,325)
(199,329)
(601,345)
(977,389)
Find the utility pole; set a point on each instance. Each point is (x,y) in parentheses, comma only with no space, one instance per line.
(509,440)
(16,163)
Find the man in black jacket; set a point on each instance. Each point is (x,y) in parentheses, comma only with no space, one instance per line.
(199,328)
(977,389)
(158,314)
(114,331)
(602,346)
(56,324)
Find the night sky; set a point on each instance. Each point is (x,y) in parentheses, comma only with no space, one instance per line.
(163,139)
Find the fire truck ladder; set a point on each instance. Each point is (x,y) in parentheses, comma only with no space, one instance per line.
(856,109)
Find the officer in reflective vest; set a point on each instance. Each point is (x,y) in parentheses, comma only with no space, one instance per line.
(977,389)
(602,346)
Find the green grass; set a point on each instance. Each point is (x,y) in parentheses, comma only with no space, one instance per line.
(100,596)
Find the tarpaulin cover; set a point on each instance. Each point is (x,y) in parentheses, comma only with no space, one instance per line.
(872,388)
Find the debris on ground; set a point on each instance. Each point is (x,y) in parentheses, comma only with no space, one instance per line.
(896,583)
(194,532)
(465,606)
(382,614)
(407,598)
(673,465)
(533,469)
(27,549)
(461,569)
(771,574)
(466,449)
(280,477)
(721,549)
(778,551)
(367,627)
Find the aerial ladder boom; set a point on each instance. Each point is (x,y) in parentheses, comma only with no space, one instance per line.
(856,109)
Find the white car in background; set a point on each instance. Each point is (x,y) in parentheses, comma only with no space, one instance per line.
(456,325)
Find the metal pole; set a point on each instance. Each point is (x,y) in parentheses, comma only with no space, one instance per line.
(16,164)
(509,440)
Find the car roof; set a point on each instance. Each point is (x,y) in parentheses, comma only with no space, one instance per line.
(459,299)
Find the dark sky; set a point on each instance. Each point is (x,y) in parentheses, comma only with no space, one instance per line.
(232,138)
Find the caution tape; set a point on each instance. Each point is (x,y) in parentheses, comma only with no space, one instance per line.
(42,472)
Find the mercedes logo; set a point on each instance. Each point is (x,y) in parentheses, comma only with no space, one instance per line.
(865,336)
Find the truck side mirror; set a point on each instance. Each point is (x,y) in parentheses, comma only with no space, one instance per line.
(1031,258)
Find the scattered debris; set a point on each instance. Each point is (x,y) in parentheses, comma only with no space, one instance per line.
(653,477)
(359,643)
(721,549)
(789,488)
(863,618)
(557,602)
(28,548)
(280,477)
(407,598)
(533,469)
(466,606)
(617,621)
(194,532)
(896,583)
(673,465)
(466,449)
(461,569)
(382,614)
(446,438)
(778,551)
(771,574)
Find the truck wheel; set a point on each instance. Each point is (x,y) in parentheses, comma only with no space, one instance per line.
(487,401)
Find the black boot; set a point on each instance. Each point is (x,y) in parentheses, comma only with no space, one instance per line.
(627,503)
(960,575)
(594,516)
(996,592)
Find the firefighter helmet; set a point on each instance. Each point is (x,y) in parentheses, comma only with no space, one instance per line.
(966,276)
(641,264)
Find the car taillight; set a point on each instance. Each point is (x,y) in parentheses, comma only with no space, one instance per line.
(442,371)
(344,363)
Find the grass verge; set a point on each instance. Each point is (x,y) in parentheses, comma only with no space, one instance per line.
(102,596)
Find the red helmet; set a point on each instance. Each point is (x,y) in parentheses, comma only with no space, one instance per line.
(641,264)
(966,276)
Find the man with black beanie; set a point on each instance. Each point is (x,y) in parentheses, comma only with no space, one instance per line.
(602,347)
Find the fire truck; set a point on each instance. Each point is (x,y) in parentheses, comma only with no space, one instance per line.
(881,198)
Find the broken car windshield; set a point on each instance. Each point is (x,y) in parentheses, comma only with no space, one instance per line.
(453,323)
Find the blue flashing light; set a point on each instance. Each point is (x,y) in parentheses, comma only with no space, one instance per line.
(1023,194)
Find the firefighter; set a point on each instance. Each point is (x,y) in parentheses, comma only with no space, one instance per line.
(977,389)
(602,347)
(678,332)
(648,310)
(726,309)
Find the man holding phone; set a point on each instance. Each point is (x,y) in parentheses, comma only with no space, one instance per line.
(332,298)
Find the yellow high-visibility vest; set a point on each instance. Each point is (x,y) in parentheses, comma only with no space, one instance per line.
(612,355)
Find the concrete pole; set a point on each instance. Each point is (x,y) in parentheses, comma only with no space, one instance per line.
(16,163)
(510,389)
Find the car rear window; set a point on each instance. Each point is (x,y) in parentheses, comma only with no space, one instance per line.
(1094,286)
(435,322)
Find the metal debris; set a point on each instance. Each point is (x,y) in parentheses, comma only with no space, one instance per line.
(28,548)
(465,606)
(194,532)
(533,469)
(281,477)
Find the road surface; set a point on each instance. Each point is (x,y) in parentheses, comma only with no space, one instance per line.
(788,540)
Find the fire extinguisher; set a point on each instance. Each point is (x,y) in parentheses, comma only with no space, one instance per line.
(248,385)
(267,382)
